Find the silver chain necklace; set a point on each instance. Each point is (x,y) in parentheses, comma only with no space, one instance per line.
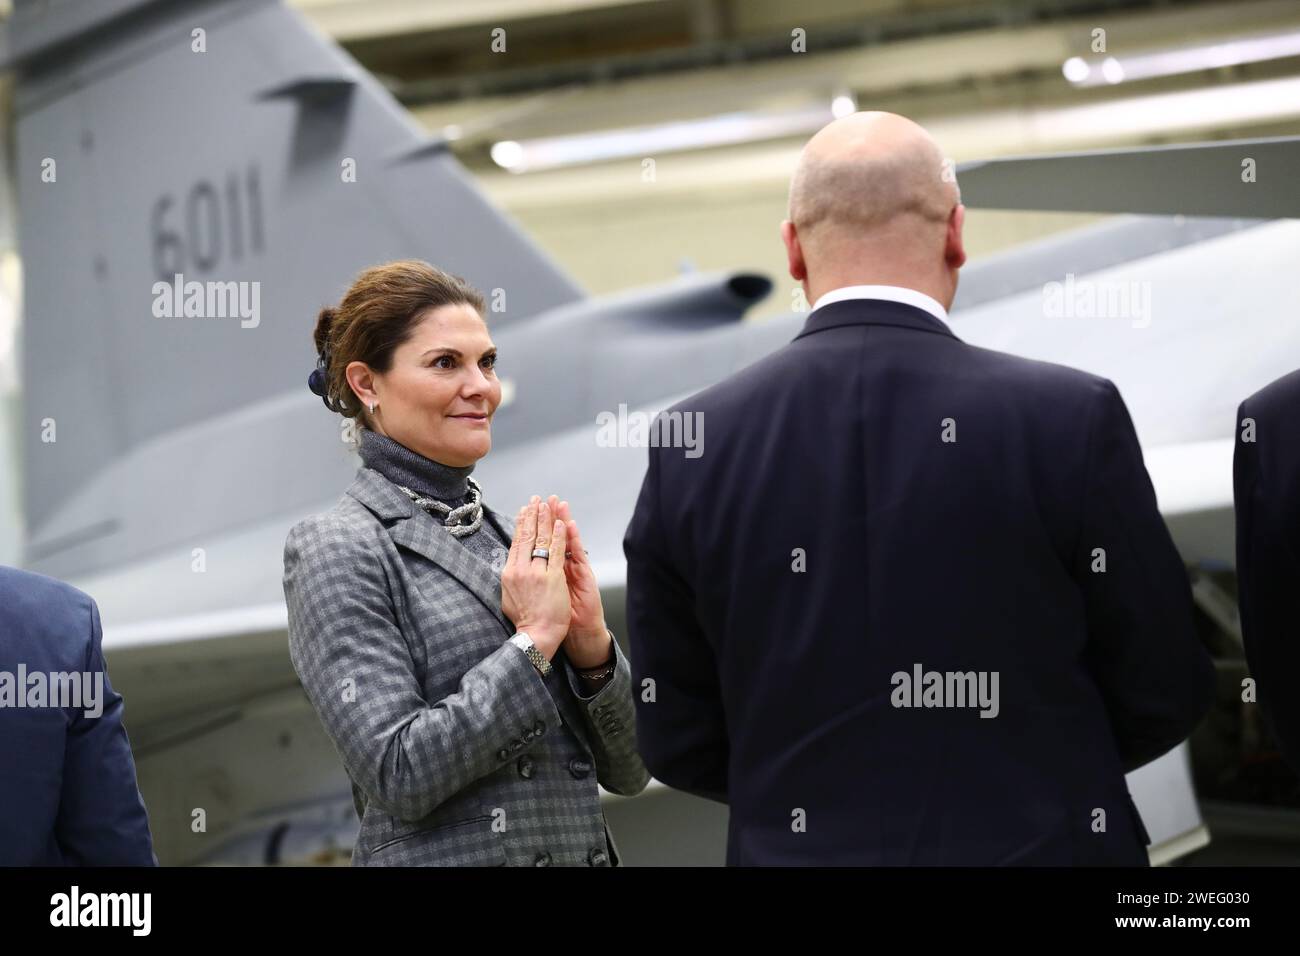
(461,521)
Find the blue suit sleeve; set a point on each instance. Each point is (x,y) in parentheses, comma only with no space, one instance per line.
(1155,676)
(682,731)
(102,819)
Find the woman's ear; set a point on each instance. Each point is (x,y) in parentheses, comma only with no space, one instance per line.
(362,382)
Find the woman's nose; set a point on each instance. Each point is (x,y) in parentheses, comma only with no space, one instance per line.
(478,384)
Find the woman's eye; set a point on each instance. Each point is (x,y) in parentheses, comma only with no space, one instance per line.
(490,361)
(444,358)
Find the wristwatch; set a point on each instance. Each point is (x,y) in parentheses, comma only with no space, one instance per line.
(525,643)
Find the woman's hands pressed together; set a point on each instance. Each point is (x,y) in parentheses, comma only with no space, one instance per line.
(557,601)
(588,643)
(534,591)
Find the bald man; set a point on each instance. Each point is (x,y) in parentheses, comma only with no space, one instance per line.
(915,603)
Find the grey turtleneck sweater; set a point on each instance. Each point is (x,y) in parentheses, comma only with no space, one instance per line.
(433,479)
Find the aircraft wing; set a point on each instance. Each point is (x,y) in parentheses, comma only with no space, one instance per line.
(1246,177)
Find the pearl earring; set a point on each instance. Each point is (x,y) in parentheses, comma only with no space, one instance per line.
(372,408)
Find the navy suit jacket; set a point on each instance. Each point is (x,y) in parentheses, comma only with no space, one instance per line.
(834,535)
(1266,484)
(68,793)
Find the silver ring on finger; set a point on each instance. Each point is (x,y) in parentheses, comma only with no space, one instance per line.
(542,553)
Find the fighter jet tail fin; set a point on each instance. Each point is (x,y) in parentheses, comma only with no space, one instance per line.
(196,179)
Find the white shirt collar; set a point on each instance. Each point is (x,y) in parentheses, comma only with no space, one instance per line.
(891,293)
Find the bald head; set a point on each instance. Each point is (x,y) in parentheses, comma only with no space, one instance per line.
(869,170)
(873,191)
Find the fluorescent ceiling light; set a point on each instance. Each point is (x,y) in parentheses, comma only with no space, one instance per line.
(507,154)
(1168,114)
(649,141)
(1112,71)
(1076,69)
(1208,56)
(1014,130)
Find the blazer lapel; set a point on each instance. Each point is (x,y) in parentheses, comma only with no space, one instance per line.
(417,530)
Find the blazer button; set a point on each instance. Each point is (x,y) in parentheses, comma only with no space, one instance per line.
(503,753)
(597,857)
(543,859)
(526,767)
(539,728)
(579,767)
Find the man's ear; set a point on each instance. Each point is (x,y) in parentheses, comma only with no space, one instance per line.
(954,251)
(793,251)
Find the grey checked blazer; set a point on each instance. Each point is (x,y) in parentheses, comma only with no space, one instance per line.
(459,752)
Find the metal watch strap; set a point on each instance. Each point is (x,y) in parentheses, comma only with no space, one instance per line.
(525,643)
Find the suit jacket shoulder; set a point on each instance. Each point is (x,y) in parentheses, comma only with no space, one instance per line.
(48,614)
(1276,398)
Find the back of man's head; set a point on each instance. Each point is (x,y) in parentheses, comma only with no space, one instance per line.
(874,201)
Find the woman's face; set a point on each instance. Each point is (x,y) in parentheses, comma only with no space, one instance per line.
(440,394)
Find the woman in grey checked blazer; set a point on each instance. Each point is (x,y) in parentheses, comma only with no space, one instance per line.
(469,739)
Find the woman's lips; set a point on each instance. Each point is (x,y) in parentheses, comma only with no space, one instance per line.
(472,419)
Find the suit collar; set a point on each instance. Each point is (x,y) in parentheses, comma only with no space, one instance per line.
(416,530)
(873,312)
